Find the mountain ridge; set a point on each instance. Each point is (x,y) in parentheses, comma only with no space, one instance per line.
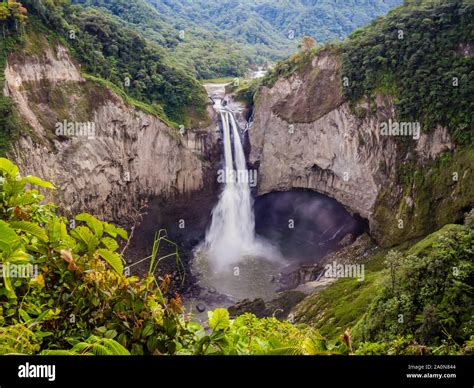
(223,40)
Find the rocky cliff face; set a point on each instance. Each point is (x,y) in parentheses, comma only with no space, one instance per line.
(305,135)
(128,157)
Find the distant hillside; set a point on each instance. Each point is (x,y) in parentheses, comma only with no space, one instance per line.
(269,23)
(204,54)
(323,19)
(223,38)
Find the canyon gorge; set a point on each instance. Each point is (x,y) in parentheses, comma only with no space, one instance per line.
(234,195)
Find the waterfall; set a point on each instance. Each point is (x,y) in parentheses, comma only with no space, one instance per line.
(231,235)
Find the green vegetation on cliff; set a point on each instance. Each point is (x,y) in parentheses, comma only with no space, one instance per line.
(204,54)
(8,128)
(422,54)
(121,56)
(12,19)
(448,178)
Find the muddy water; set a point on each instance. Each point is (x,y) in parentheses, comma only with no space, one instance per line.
(305,226)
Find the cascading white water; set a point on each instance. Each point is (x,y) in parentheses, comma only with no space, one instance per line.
(231,235)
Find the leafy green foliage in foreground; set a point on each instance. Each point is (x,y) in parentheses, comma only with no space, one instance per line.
(250,335)
(80,302)
(74,287)
(76,298)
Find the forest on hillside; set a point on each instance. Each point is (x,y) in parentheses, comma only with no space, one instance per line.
(224,39)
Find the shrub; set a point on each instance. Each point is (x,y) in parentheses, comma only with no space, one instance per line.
(79,289)
(432,297)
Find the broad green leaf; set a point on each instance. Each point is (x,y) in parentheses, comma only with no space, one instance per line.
(8,237)
(122,233)
(13,188)
(82,233)
(114,231)
(92,222)
(38,182)
(110,229)
(57,230)
(115,348)
(113,259)
(110,334)
(100,350)
(18,256)
(194,327)
(31,228)
(26,198)
(101,330)
(152,343)
(218,319)
(9,168)
(147,329)
(82,348)
(8,286)
(110,243)
(24,315)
